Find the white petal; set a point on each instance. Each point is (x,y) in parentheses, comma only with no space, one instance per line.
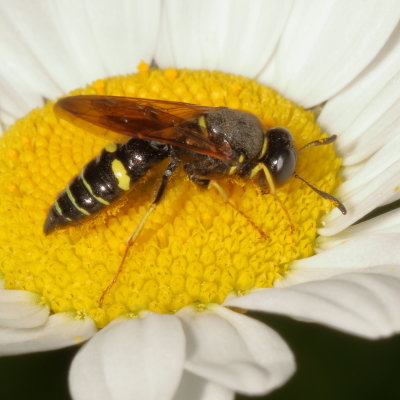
(235,351)
(6,120)
(124,32)
(370,186)
(23,76)
(304,274)
(20,309)
(366,114)
(225,35)
(50,47)
(357,252)
(384,223)
(328,43)
(194,387)
(16,96)
(60,330)
(139,358)
(364,304)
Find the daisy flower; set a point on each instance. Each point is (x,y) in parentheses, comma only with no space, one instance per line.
(174,326)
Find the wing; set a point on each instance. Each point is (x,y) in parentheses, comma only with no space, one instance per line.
(167,122)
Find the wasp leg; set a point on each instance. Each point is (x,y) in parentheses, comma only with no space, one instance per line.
(221,191)
(262,167)
(200,181)
(131,240)
(197,170)
(210,183)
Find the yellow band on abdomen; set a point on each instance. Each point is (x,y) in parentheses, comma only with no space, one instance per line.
(121,174)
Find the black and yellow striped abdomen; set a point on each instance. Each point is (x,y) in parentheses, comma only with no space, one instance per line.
(103,180)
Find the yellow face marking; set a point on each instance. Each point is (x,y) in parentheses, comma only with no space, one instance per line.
(120,173)
(232,170)
(202,124)
(264,148)
(241,158)
(73,201)
(111,148)
(89,189)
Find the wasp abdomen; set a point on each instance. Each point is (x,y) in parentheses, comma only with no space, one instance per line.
(103,180)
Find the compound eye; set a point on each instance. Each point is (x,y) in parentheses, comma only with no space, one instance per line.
(282,165)
(281,155)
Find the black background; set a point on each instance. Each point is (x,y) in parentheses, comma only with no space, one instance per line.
(331,365)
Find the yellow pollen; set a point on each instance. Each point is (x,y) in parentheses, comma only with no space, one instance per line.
(194,248)
(143,67)
(99,86)
(171,73)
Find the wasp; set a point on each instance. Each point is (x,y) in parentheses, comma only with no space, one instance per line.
(207,141)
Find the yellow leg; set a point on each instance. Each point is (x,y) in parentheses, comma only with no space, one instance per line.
(129,243)
(263,168)
(131,240)
(221,191)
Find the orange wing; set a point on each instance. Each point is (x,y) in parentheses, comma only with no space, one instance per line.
(167,122)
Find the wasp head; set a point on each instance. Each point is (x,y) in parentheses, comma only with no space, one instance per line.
(280,157)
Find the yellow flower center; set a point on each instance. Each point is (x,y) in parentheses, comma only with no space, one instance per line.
(194,248)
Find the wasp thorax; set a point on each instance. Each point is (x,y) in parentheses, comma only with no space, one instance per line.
(280,157)
(241,130)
